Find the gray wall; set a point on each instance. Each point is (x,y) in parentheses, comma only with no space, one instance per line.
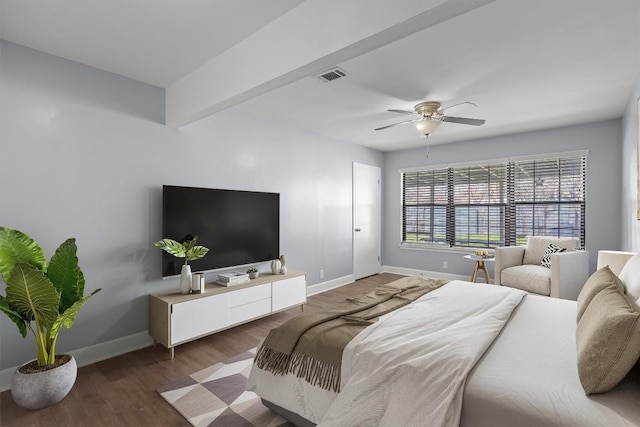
(630,182)
(85,153)
(603,140)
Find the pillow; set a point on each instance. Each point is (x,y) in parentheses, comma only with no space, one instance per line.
(551,249)
(537,245)
(594,284)
(630,276)
(607,340)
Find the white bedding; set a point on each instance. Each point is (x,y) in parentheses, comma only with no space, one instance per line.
(527,377)
(412,366)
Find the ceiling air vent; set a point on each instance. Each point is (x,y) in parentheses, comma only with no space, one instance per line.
(333,74)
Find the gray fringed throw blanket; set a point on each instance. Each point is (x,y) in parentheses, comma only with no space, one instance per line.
(311,345)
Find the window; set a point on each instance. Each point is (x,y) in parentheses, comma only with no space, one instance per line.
(496,203)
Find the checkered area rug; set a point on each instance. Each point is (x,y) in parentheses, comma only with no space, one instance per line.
(216,396)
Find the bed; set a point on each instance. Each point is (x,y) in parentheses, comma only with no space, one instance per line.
(526,375)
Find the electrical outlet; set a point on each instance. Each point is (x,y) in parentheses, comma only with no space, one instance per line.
(322,274)
(445,265)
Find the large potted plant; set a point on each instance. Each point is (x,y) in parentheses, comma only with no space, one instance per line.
(41,298)
(187,250)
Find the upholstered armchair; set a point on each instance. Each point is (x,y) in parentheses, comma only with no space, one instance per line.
(545,266)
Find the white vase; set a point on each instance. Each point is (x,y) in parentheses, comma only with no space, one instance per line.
(185,279)
(275,266)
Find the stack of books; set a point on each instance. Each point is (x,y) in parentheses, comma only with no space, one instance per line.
(233,278)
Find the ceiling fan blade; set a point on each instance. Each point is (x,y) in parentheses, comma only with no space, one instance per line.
(457,107)
(462,120)
(402,112)
(396,124)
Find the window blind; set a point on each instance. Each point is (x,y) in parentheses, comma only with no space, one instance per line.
(495,203)
(549,199)
(424,206)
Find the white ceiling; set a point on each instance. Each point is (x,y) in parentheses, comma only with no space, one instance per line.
(527,64)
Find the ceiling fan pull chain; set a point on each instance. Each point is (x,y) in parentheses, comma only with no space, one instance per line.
(428,146)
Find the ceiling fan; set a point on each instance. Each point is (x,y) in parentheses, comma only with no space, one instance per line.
(429,115)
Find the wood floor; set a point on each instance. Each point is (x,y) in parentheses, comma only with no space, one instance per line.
(121,391)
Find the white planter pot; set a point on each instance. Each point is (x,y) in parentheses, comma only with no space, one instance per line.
(41,389)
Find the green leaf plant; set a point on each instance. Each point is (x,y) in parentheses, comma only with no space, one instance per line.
(40,298)
(187,250)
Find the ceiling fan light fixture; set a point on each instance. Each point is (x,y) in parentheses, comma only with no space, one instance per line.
(426,126)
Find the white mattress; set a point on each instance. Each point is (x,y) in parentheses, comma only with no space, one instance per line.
(528,377)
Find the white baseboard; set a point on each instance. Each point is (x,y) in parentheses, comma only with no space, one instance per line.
(92,354)
(319,288)
(106,350)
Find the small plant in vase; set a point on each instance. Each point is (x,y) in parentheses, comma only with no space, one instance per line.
(253,273)
(187,250)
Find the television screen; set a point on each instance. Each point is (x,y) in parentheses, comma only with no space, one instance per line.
(238,227)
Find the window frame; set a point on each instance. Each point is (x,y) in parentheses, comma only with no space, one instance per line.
(509,221)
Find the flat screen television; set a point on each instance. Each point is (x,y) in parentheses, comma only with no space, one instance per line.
(238,227)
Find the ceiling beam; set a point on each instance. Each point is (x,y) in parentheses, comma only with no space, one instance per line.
(309,39)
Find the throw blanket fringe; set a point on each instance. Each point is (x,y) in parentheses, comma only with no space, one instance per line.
(310,346)
(272,360)
(316,372)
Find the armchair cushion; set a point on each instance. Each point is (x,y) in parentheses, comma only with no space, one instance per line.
(530,278)
(537,245)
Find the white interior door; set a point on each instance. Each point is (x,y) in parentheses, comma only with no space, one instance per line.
(366,220)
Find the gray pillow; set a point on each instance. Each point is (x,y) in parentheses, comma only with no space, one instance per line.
(607,340)
(594,284)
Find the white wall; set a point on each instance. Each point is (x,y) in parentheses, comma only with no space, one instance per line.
(629,220)
(85,154)
(603,140)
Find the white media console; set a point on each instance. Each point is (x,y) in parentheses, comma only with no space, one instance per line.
(175,318)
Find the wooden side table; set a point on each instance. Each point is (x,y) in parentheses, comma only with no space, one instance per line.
(480,265)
